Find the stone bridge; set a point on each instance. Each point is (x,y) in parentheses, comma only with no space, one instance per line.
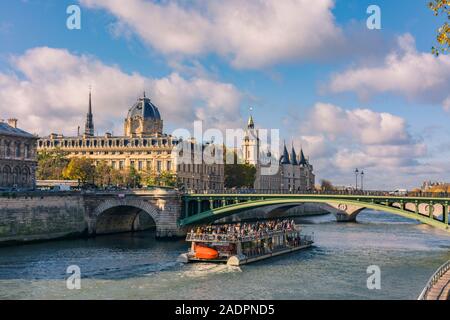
(113,212)
(49,215)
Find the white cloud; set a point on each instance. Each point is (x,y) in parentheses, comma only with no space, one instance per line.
(340,140)
(407,72)
(251,34)
(48,91)
(362,125)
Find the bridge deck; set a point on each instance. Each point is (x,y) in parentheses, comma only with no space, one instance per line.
(441,290)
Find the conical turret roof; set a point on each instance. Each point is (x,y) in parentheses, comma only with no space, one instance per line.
(285,157)
(293,156)
(302,160)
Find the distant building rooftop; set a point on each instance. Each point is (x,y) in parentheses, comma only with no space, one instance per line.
(6,129)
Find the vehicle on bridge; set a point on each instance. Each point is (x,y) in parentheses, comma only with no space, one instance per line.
(238,244)
(399,192)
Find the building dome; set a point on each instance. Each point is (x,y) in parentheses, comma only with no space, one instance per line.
(145,109)
(143,119)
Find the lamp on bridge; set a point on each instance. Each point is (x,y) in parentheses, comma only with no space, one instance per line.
(362,180)
(356,178)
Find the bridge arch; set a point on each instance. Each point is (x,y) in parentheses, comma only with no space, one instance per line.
(123,215)
(347,208)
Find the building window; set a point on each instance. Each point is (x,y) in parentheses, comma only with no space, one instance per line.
(169,165)
(140,166)
(113,164)
(149,165)
(121,164)
(132,163)
(18,150)
(27,151)
(8,150)
(158,166)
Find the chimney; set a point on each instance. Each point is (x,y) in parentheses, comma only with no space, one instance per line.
(12,122)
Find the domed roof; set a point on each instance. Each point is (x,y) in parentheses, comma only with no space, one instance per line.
(145,109)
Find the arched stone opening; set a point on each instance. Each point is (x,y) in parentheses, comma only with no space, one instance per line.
(115,216)
(124,218)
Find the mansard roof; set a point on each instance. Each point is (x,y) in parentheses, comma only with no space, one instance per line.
(6,129)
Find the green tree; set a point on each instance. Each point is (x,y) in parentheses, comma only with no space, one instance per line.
(117,177)
(51,165)
(150,178)
(165,178)
(238,175)
(103,174)
(81,169)
(131,177)
(168,179)
(326,185)
(443,37)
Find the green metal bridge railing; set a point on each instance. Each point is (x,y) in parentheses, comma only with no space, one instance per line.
(204,205)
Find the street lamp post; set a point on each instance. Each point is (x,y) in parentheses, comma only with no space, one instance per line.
(362,180)
(356,178)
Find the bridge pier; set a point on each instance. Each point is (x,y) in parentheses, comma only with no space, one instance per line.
(445,213)
(345,212)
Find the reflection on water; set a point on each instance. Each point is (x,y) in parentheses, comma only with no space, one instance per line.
(136,266)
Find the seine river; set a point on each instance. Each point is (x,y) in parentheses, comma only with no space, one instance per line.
(135,266)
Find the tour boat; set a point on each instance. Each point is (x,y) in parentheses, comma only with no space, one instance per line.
(235,249)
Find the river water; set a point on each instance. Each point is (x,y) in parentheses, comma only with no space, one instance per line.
(136,266)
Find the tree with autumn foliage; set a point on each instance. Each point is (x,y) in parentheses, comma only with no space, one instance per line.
(81,169)
(442,7)
(51,164)
(165,179)
(103,174)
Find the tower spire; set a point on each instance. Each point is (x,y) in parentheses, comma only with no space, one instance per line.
(285,157)
(293,157)
(303,160)
(89,126)
(250,122)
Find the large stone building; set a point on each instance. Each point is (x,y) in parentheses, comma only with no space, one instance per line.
(17,156)
(292,173)
(145,147)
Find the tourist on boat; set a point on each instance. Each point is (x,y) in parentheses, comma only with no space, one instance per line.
(257,229)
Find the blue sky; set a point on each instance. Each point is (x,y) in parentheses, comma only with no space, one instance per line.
(328,65)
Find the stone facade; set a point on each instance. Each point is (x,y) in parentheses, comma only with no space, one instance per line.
(143,146)
(17,156)
(292,173)
(26,218)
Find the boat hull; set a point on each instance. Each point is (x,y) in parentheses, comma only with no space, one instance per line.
(242,259)
(239,260)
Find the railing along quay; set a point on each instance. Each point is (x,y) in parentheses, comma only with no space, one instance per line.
(434,280)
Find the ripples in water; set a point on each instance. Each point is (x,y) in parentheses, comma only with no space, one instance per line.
(136,266)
